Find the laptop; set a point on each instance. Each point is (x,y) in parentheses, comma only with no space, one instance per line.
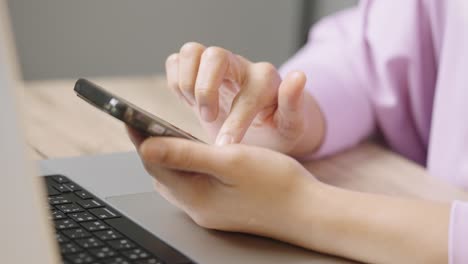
(102,209)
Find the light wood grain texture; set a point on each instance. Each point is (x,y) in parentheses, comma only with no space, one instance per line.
(61,125)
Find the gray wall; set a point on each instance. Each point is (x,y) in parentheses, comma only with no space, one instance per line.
(73,38)
(314,10)
(325,7)
(60,38)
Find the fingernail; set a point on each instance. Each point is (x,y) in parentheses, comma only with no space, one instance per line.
(224,140)
(206,114)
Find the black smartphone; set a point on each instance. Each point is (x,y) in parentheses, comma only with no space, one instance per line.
(131,115)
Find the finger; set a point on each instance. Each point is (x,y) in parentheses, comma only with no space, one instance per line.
(290,113)
(135,136)
(258,93)
(189,61)
(185,155)
(213,68)
(172,74)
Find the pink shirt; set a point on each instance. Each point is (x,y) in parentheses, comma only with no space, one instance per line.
(399,67)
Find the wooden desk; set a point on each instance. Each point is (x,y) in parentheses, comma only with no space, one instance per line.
(61,125)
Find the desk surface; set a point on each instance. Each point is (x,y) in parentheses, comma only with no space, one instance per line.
(58,124)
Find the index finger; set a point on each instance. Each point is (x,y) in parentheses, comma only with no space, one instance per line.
(259,92)
(216,65)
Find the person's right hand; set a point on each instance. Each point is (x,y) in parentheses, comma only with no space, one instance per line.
(240,101)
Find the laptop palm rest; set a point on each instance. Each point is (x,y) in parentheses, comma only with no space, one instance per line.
(154,213)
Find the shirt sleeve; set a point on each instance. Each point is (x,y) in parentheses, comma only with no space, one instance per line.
(336,67)
(359,71)
(458,234)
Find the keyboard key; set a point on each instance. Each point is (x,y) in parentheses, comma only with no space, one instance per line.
(57,215)
(72,186)
(90,242)
(108,235)
(69,208)
(61,238)
(60,179)
(118,260)
(65,224)
(84,194)
(69,248)
(95,226)
(82,233)
(103,252)
(104,213)
(62,188)
(80,258)
(56,200)
(51,191)
(76,233)
(149,261)
(136,253)
(82,217)
(121,244)
(88,204)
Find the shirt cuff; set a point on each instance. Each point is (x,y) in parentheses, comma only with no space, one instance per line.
(458,234)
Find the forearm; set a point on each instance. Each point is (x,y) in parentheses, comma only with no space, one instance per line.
(373,228)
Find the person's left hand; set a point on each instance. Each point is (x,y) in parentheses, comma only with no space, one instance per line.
(233,188)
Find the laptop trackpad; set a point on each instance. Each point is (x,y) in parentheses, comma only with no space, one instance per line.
(155,214)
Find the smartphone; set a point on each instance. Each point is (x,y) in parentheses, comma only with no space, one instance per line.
(131,115)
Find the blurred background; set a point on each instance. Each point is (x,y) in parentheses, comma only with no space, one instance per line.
(59,39)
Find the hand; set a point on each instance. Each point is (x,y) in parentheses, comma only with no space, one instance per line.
(241,101)
(232,188)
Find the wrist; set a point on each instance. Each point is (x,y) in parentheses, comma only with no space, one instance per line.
(318,218)
(364,226)
(299,218)
(315,217)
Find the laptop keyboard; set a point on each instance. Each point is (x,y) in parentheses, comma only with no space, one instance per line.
(90,231)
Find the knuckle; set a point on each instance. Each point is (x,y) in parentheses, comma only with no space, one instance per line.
(267,73)
(235,123)
(266,68)
(291,129)
(215,53)
(186,86)
(293,168)
(291,164)
(206,93)
(191,48)
(172,59)
(185,158)
(251,103)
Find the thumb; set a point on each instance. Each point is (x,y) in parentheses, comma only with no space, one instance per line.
(289,116)
(186,155)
